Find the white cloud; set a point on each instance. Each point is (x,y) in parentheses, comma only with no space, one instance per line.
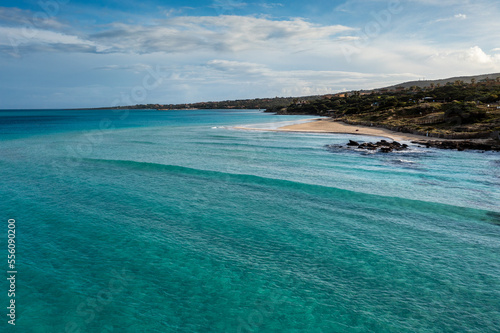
(19,17)
(13,37)
(476,55)
(135,68)
(226,33)
(452,18)
(219,34)
(238,67)
(298,82)
(236,56)
(473,60)
(271,5)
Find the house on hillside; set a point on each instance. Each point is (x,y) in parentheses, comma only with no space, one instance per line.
(333,113)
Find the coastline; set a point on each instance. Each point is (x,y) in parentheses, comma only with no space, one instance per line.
(329,126)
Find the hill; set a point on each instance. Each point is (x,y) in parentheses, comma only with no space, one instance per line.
(455,110)
(442,82)
(463,107)
(256,103)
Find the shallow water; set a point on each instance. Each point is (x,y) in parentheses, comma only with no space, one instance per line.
(173,221)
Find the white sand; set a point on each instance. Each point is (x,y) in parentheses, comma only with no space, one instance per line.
(336,127)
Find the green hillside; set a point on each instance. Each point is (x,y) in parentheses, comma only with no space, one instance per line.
(455,110)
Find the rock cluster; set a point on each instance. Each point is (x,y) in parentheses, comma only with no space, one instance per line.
(462,145)
(383,146)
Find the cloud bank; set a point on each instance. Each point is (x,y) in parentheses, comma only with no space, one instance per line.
(245,56)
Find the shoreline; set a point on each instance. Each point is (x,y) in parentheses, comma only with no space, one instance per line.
(329,126)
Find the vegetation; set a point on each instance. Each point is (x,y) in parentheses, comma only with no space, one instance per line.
(456,108)
(257,103)
(467,107)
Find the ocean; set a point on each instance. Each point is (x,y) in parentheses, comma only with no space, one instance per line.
(175,221)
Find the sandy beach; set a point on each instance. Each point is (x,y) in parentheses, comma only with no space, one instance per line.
(335,127)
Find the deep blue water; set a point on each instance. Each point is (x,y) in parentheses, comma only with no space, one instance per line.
(174,221)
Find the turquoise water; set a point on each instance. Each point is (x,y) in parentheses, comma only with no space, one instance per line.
(148,221)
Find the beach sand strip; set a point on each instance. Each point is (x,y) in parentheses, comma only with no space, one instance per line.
(322,125)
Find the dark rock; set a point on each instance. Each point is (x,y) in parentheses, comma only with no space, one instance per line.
(367,145)
(382,145)
(352,143)
(461,145)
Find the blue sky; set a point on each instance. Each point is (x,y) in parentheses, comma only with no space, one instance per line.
(72,53)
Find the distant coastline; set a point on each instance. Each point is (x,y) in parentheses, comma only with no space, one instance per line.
(463,110)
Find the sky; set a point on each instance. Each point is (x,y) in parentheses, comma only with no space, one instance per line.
(78,54)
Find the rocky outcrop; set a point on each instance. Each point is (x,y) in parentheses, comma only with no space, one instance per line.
(383,146)
(352,143)
(486,145)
